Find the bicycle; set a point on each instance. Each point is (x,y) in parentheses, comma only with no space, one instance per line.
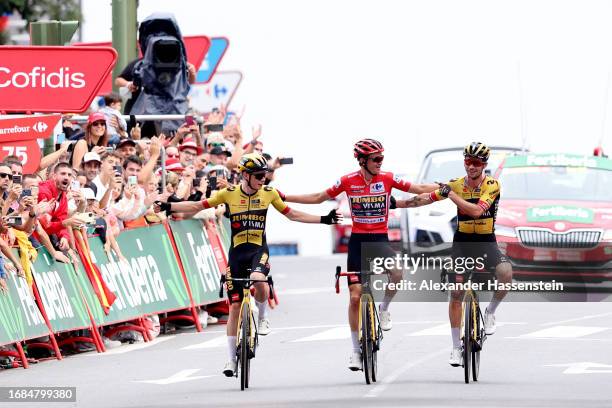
(472,331)
(370,332)
(246,336)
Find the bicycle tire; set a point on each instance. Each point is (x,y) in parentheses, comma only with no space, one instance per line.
(467,339)
(366,350)
(244,347)
(476,350)
(375,342)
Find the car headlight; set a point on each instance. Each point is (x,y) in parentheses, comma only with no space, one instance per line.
(608,235)
(505,231)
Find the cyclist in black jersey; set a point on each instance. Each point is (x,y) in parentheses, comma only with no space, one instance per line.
(248,206)
(476,196)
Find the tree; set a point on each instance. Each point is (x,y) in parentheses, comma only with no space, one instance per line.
(36,10)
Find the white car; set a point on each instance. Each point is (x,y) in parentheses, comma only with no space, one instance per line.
(430,229)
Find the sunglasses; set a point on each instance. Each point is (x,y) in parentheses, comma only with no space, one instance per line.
(174,156)
(99,123)
(259,176)
(378,159)
(474,162)
(5,175)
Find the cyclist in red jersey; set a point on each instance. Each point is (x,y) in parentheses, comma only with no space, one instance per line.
(369,192)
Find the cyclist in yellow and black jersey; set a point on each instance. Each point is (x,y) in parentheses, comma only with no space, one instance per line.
(248,205)
(476,196)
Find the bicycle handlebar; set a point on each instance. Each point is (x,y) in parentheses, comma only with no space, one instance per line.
(268,280)
(339,273)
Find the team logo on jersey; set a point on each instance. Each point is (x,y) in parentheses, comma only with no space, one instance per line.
(397,178)
(255,202)
(377,187)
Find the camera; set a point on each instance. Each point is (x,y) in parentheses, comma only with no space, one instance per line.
(17,178)
(12,221)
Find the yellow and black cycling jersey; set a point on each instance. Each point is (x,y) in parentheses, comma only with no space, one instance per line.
(486,195)
(248,212)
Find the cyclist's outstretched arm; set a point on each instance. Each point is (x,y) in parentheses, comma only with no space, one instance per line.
(332,218)
(314,198)
(416,201)
(423,188)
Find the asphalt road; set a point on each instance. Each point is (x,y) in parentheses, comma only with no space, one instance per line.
(543,355)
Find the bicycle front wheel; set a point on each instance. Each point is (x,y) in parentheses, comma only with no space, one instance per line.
(467,339)
(245,333)
(366,339)
(477,338)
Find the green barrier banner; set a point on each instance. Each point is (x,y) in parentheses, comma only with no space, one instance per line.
(199,262)
(60,293)
(20,317)
(225,237)
(149,282)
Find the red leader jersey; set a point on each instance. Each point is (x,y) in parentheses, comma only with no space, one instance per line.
(369,201)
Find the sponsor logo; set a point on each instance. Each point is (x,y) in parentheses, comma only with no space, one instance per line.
(369,206)
(358,187)
(337,184)
(369,220)
(40,127)
(242,201)
(377,187)
(40,78)
(256,202)
(560,213)
(235,225)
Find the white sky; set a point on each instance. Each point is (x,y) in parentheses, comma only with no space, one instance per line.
(416,75)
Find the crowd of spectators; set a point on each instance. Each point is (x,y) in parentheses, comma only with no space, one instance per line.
(105,177)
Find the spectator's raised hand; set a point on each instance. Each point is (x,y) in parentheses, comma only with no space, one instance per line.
(156,144)
(222,183)
(100,150)
(152,198)
(72,222)
(216,117)
(78,196)
(114,123)
(64,146)
(136,132)
(3,286)
(26,203)
(15,193)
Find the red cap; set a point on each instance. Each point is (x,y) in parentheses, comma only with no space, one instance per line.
(173,164)
(94,117)
(190,143)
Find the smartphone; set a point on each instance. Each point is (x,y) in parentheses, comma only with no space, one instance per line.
(90,218)
(212,183)
(213,128)
(26,192)
(286,160)
(110,149)
(118,170)
(189,120)
(75,185)
(196,182)
(60,138)
(17,178)
(14,220)
(132,180)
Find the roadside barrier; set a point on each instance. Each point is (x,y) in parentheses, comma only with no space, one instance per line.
(167,267)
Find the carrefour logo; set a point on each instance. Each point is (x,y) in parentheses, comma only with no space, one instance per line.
(560,213)
(40,127)
(38,77)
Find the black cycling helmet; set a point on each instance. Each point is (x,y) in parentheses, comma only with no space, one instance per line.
(477,150)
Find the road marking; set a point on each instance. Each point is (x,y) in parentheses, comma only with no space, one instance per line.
(181,376)
(584,368)
(577,319)
(320,326)
(337,333)
(220,341)
(304,291)
(126,348)
(564,332)
(374,392)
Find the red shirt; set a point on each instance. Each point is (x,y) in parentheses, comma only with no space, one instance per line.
(369,201)
(48,191)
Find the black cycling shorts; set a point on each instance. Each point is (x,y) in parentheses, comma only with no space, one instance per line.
(362,246)
(253,257)
(481,250)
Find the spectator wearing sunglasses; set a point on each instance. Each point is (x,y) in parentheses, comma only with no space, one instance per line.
(95,140)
